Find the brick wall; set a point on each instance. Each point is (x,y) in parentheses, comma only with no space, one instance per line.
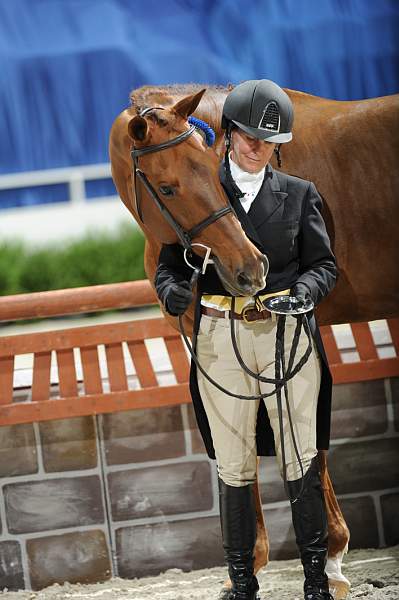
(133,494)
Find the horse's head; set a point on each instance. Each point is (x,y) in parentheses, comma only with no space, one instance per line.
(185,178)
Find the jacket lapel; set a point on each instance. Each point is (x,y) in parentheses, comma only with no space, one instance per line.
(269,202)
(242,216)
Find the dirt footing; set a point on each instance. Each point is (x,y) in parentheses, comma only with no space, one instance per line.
(374,575)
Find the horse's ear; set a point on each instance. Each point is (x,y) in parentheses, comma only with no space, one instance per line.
(138,128)
(185,107)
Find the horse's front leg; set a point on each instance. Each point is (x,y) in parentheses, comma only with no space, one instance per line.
(338,535)
(261,552)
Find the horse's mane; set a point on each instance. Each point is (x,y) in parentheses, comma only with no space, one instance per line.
(210,108)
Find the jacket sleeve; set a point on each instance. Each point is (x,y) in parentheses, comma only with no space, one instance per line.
(171,269)
(317,265)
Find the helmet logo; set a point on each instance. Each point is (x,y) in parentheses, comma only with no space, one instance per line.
(270,119)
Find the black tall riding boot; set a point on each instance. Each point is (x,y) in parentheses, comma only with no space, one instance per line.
(238,521)
(310,524)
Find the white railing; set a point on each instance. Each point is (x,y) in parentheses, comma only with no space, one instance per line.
(49,222)
(75,177)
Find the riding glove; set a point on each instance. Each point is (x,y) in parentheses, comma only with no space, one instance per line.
(177,297)
(301,293)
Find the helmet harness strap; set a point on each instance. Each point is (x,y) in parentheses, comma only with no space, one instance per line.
(236,190)
(278,155)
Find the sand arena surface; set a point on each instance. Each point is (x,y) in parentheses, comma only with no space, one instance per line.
(374,575)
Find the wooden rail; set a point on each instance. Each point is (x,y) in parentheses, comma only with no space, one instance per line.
(370,366)
(76,300)
(81,355)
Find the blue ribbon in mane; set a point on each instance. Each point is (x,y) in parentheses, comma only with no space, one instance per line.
(207,129)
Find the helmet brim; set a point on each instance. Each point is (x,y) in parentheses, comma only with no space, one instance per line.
(267,136)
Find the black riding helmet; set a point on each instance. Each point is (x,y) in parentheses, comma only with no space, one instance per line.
(262,109)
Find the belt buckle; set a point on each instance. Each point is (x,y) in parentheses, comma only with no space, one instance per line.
(245,311)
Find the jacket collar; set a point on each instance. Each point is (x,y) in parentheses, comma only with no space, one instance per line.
(238,209)
(267,202)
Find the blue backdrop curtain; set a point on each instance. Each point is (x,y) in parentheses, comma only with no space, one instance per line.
(67,66)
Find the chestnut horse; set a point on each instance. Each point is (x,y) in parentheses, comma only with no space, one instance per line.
(347,148)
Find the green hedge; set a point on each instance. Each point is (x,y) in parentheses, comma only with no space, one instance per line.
(94,259)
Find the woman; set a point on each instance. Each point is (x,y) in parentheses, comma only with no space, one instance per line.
(281,215)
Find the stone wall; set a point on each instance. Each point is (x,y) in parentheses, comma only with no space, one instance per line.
(133,494)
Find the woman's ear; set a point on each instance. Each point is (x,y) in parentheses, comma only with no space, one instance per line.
(138,128)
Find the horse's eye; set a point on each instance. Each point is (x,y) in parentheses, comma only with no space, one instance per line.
(166,190)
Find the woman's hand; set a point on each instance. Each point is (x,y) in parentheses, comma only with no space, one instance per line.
(178,297)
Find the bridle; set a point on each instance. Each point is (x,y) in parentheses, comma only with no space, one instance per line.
(185,237)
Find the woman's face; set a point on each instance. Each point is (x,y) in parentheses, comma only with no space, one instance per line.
(249,153)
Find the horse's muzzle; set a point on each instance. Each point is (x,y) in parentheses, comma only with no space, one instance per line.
(247,280)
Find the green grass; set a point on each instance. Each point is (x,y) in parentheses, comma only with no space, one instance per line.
(92,260)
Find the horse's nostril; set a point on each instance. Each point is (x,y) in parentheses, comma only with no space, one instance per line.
(243,280)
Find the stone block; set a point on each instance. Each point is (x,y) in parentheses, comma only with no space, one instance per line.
(53,504)
(142,435)
(17,450)
(152,549)
(359,409)
(364,466)
(11,570)
(395,400)
(69,444)
(79,557)
(170,489)
(196,438)
(281,533)
(389,507)
(361,518)
(271,483)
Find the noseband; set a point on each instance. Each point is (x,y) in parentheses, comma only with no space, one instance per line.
(185,237)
